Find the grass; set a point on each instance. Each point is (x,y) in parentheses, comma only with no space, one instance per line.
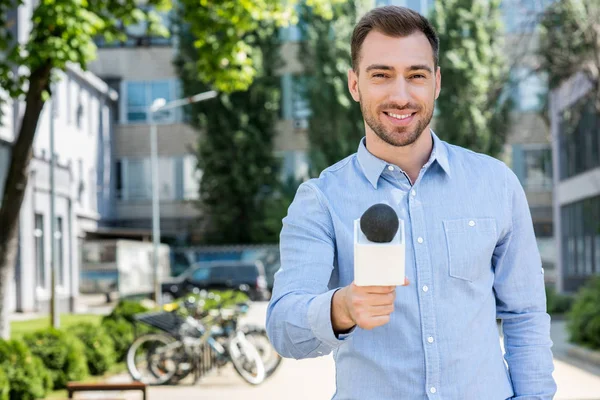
(20,328)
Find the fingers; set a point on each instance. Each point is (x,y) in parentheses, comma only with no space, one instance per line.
(386,309)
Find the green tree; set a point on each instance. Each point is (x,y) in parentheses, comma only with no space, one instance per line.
(62,32)
(335,123)
(471,111)
(235,152)
(570,43)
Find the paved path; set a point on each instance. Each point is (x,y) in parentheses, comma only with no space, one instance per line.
(314,379)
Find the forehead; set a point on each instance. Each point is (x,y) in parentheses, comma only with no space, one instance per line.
(398,52)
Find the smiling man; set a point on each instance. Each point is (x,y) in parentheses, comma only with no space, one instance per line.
(471,254)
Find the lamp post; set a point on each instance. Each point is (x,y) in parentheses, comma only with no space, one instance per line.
(54,307)
(161,105)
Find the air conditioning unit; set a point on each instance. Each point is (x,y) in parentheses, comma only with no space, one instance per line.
(300,124)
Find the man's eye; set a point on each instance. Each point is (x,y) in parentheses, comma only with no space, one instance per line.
(378,75)
(418,76)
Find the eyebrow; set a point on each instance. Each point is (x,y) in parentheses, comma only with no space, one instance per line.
(383,67)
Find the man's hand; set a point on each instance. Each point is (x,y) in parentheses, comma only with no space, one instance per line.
(365,306)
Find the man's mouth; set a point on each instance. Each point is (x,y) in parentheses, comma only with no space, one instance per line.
(403,118)
(399,116)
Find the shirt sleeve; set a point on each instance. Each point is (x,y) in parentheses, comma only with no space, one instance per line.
(521,301)
(299,313)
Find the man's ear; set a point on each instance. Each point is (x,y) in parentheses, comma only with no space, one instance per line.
(353,85)
(438,82)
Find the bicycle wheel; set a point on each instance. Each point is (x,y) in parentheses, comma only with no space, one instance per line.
(246,359)
(154,359)
(258,337)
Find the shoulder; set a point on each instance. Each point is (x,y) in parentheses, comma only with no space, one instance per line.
(339,174)
(471,162)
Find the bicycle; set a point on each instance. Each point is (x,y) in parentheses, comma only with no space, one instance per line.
(187,345)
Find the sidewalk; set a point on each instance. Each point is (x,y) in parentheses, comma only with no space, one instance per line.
(315,378)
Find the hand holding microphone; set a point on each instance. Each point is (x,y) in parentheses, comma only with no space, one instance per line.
(379,267)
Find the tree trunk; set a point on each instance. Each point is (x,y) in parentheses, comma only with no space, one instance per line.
(16,183)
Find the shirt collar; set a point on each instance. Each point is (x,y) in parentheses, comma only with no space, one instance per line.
(373,167)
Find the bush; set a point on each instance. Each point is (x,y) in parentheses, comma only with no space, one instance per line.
(4,385)
(584,317)
(99,347)
(127,309)
(122,333)
(558,303)
(63,355)
(26,374)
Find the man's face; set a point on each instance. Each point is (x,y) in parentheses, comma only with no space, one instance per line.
(396,86)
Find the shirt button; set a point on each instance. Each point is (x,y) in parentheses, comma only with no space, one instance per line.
(430,339)
(425,288)
(391,168)
(413,193)
(433,390)
(471,223)
(420,240)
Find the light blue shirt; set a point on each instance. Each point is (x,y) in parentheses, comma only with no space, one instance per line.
(471,257)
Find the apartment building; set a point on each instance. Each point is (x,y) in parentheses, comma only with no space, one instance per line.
(576,167)
(82,129)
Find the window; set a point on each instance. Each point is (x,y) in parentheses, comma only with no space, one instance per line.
(201,274)
(529,90)
(81,185)
(93,189)
(533,166)
(60,257)
(191,178)
(579,140)
(580,225)
(295,97)
(138,179)
(178,178)
(139,96)
(40,255)
(119,179)
(137,35)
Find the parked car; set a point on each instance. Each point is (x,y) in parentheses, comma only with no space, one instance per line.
(219,275)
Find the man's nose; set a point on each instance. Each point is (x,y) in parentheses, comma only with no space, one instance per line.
(400,93)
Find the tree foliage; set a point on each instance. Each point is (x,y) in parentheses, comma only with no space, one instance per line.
(235,152)
(471,110)
(570,42)
(335,123)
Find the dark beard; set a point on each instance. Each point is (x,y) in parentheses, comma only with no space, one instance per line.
(377,126)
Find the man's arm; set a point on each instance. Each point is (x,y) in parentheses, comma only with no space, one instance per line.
(299,315)
(521,301)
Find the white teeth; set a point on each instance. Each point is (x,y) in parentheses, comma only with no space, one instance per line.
(398,116)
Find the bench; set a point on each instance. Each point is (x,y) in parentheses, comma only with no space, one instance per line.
(73,387)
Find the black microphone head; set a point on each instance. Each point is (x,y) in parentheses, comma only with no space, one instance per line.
(379,223)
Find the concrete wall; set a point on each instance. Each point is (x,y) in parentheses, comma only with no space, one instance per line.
(133,140)
(148,63)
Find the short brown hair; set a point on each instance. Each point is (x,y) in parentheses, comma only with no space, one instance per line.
(393,21)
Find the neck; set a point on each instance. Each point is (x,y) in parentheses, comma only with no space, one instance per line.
(410,158)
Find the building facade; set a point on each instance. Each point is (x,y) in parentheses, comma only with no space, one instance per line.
(576,151)
(82,130)
(119,65)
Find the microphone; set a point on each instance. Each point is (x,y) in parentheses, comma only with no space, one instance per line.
(379,223)
(379,247)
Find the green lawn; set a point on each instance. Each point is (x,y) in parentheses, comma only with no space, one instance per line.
(19,328)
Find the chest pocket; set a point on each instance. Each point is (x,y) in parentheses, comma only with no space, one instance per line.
(471,243)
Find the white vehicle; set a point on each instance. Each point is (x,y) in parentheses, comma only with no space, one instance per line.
(121,267)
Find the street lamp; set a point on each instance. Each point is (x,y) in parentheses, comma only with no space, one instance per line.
(161,105)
